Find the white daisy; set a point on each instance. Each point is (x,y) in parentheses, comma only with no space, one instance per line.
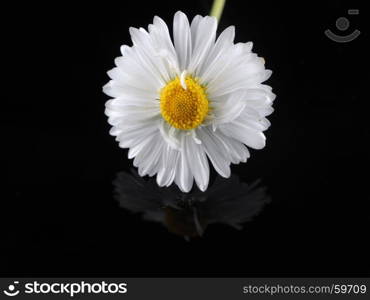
(177,103)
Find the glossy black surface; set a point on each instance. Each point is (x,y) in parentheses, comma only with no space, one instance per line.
(60,214)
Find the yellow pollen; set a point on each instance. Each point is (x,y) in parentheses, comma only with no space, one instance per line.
(184,108)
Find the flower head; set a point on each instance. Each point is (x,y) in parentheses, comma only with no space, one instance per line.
(177,103)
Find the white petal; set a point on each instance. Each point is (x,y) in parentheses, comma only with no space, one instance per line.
(149,162)
(230,59)
(194,27)
(197,162)
(132,116)
(164,35)
(170,134)
(132,101)
(218,53)
(162,43)
(182,39)
(228,107)
(183,177)
(241,132)
(167,171)
(138,81)
(132,67)
(144,151)
(238,151)
(216,151)
(131,136)
(243,70)
(242,78)
(259,96)
(149,56)
(203,40)
(113,89)
(128,109)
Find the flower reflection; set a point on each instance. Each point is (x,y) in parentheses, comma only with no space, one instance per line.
(227,201)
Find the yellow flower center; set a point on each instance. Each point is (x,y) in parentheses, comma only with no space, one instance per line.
(184,108)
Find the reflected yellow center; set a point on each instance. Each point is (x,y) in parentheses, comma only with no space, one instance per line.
(184,108)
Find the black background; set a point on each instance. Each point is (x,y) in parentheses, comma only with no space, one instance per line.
(58,216)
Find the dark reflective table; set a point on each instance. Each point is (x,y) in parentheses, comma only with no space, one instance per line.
(60,214)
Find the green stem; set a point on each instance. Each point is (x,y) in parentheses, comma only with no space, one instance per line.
(217,8)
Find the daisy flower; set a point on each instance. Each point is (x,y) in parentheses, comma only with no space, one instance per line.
(179,103)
